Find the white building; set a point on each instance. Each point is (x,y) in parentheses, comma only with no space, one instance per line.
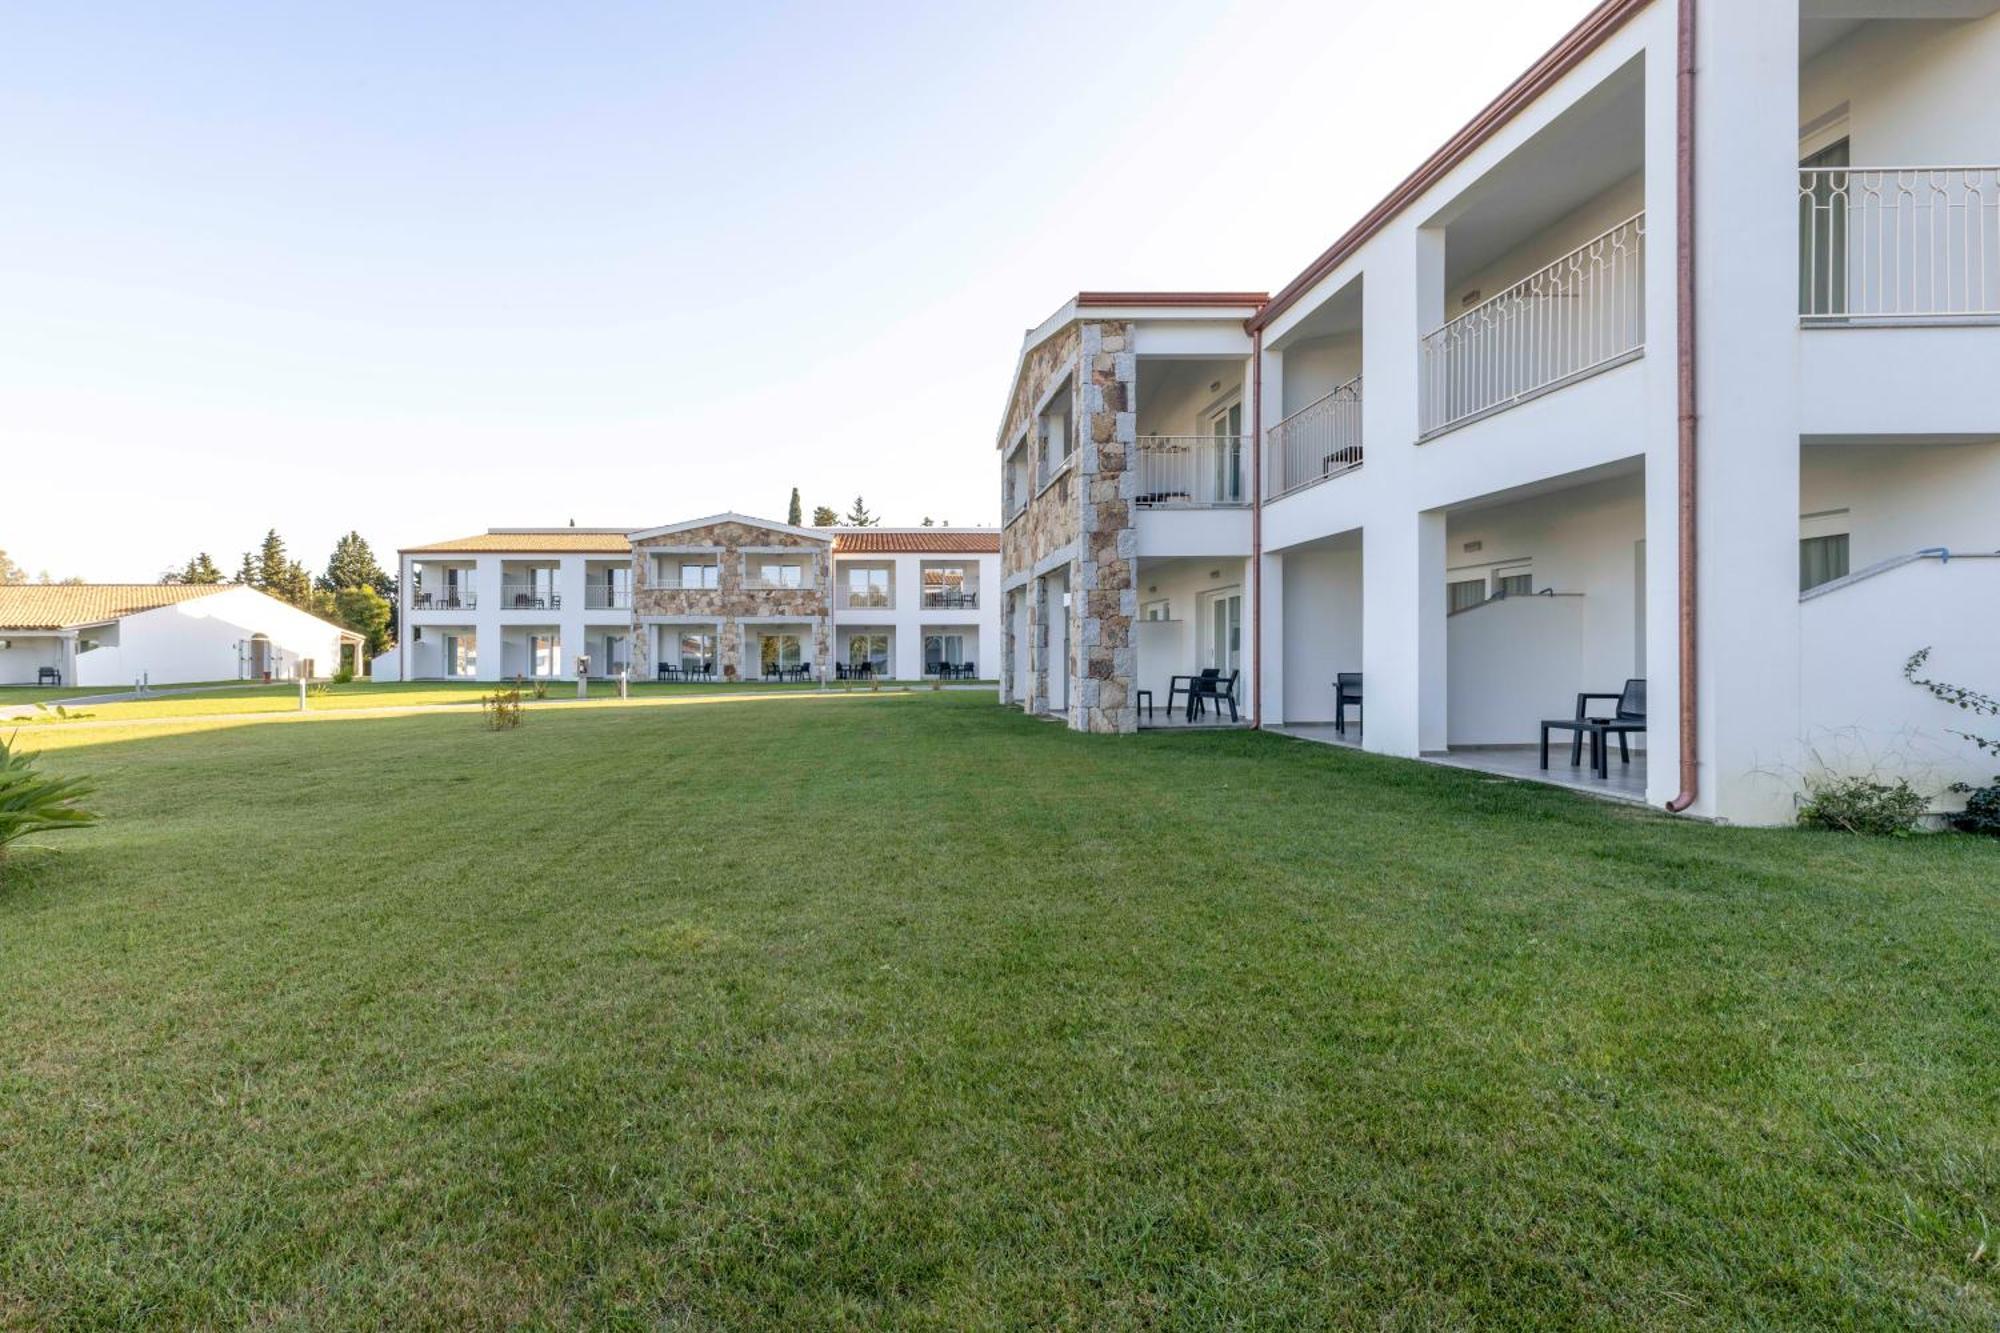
(1450,455)
(726,596)
(92,634)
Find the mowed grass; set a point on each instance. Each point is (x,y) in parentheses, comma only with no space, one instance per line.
(908,1011)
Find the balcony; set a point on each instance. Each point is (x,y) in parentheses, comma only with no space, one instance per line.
(450,599)
(1320,440)
(598,597)
(1583,314)
(529,597)
(1899,245)
(1190,472)
(866,599)
(952,599)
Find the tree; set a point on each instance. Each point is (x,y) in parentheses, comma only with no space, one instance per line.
(32,801)
(927,522)
(353,565)
(824,517)
(366,612)
(198,569)
(795,515)
(11,572)
(858,515)
(271,571)
(246,573)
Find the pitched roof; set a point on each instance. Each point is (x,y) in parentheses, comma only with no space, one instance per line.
(728,516)
(910,541)
(570,541)
(26,606)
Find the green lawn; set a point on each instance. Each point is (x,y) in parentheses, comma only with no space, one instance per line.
(905,1010)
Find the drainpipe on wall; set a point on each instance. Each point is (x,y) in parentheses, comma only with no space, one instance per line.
(1685,302)
(1257,525)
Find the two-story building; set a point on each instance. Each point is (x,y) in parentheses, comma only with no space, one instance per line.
(1672,367)
(726,597)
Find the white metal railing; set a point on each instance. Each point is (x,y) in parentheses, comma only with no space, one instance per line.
(775,585)
(1586,312)
(1191,471)
(1320,440)
(600,597)
(867,599)
(445,599)
(674,583)
(1898,244)
(529,597)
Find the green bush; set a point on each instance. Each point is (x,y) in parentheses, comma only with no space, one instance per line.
(1982,810)
(1863,805)
(344,676)
(34,802)
(501,709)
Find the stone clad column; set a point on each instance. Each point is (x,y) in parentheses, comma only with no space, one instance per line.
(1038,644)
(1105,595)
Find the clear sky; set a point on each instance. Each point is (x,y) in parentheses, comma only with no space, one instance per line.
(424,268)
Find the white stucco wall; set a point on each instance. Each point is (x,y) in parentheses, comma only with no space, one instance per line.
(1918,92)
(1322,618)
(202,639)
(1903,497)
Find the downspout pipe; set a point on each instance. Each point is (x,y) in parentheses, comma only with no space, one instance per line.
(1689,416)
(1257,525)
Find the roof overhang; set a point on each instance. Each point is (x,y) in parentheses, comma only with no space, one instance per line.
(731,516)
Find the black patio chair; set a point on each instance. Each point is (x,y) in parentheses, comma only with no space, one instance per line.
(48,676)
(1346,690)
(966,671)
(1212,684)
(1629,717)
(1182,685)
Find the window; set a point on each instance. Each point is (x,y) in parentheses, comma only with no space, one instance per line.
(942,649)
(872,649)
(776,575)
(867,587)
(1225,427)
(1015,477)
(1052,435)
(1160,610)
(779,650)
(1514,585)
(1822,560)
(542,654)
(1464,594)
(615,656)
(694,652)
(699,575)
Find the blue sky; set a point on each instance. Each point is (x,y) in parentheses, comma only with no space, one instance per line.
(425,268)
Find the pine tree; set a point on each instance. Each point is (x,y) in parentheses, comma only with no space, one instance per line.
(353,565)
(824,517)
(858,515)
(246,573)
(795,515)
(198,569)
(11,572)
(927,522)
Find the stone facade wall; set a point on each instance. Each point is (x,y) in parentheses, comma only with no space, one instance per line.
(1106,586)
(1090,508)
(730,603)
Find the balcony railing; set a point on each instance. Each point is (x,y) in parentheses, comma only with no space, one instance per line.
(867,599)
(1191,471)
(1584,313)
(951,598)
(675,583)
(1320,440)
(598,597)
(776,585)
(529,597)
(1889,245)
(450,599)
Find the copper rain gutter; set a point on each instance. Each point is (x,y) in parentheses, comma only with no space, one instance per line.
(1257,526)
(1684,321)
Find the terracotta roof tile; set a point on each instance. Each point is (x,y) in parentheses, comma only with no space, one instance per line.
(26,606)
(917,541)
(580,541)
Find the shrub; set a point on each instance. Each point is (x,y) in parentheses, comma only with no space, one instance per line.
(1863,805)
(34,802)
(501,709)
(1982,810)
(344,676)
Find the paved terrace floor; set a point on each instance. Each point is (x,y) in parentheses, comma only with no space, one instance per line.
(1626,782)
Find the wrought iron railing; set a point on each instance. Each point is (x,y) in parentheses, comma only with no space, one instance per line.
(1584,313)
(529,597)
(1320,440)
(1191,471)
(1898,244)
(951,598)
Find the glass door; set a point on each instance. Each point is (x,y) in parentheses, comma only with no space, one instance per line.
(1823,233)
(1226,428)
(1223,631)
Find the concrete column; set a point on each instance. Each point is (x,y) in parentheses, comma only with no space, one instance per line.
(1403,633)
(1661,666)
(907,585)
(1270,641)
(571,638)
(406,639)
(1746,240)
(486,618)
